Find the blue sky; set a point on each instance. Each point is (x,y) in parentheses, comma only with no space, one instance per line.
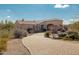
(38,11)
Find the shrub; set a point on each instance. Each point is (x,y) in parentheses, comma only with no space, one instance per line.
(47,34)
(24,33)
(67,38)
(3,45)
(72,36)
(4,34)
(19,33)
(61,35)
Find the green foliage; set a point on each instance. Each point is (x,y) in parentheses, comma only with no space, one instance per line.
(47,34)
(74,28)
(67,38)
(8,25)
(61,35)
(5,33)
(71,36)
(6,29)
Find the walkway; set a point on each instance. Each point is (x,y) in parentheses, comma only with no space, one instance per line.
(39,45)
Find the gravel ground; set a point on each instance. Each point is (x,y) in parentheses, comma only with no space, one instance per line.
(39,45)
(15,47)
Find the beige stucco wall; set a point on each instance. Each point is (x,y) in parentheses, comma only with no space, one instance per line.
(56,23)
(38,26)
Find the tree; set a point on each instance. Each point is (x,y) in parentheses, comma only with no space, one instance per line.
(8,25)
(74,26)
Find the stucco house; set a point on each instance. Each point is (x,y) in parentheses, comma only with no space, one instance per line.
(35,26)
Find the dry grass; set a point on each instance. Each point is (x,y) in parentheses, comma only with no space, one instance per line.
(4,37)
(3,44)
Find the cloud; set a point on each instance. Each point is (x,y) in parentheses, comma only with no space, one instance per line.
(61,6)
(8,16)
(70,21)
(66,22)
(8,10)
(76,20)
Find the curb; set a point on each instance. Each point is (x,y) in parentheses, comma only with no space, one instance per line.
(25,47)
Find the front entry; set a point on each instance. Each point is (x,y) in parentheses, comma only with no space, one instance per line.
(30,30)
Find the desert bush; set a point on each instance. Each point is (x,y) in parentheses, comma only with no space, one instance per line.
(24,34)
(67,38)
(4,34)
(3,45)
(61,35)
(74,26)
(8,25)
(46,34)
(71,36)
(19,33)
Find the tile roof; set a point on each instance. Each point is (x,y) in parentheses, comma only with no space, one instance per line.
(27,22)
(37,22)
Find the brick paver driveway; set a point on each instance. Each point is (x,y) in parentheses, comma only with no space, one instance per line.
(39,45)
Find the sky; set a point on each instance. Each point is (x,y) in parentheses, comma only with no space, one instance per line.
(15,12)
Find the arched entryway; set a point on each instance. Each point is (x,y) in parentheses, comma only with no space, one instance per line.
(50,27)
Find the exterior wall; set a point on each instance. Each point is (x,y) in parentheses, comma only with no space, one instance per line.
(57,24)
(37,27)
(23,26)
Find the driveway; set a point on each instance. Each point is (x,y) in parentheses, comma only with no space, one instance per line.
(39,45)
(15,47)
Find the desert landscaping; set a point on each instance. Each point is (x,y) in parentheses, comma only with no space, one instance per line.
(42,29)
(48,42)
